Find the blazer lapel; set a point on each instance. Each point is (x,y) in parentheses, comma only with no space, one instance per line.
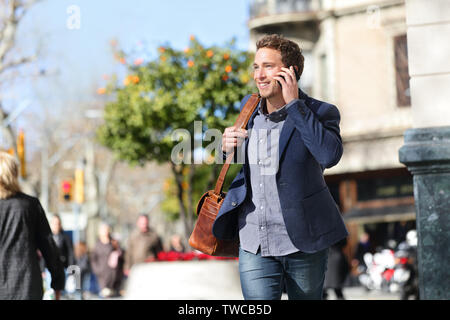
(288,127)
(286,132)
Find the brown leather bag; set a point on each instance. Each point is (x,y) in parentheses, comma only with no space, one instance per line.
(209,204)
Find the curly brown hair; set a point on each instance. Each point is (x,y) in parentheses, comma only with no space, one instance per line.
(291,54)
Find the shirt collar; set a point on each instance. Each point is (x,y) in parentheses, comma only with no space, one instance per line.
(276,116)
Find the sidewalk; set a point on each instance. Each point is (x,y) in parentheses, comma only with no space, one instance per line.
(208,280)
(350,293)
(360,293)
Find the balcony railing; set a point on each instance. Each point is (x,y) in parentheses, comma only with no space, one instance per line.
(260,8)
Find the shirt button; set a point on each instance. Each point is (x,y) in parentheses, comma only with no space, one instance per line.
(262,228)
(261,185)
(234,204)
(260,162)
(262,207)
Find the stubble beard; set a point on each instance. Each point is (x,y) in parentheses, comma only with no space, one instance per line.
(270,92)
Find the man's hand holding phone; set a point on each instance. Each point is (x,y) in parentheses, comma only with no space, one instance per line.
(232,137)
(288,81)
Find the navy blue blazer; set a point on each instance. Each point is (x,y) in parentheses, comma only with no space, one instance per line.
(309,142)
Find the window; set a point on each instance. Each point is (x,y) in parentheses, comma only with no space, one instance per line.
(385,188)
(324,92)
(401,71)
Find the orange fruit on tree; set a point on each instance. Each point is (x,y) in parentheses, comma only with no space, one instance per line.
(209,53)
(101,91)
(226,56)
(245,78)
(228,69)
(190,63)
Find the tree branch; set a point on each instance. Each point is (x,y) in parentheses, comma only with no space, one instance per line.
(16,63)
(14,13)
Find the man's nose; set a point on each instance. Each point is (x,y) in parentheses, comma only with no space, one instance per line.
(259,74)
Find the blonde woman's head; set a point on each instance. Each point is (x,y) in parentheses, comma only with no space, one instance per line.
(9,175)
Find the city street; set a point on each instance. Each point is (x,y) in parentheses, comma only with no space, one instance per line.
(360,293)
(350,293)
(215,150)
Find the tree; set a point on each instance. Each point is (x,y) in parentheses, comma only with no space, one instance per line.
(170,93)
(11,13)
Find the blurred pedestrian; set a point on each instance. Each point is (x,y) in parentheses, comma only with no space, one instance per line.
(63,241)
(144,244)
(116,261)
(176,244)
(364,246)
(82,261)
(338,269)
(65,247)
(24,230)
(105,262)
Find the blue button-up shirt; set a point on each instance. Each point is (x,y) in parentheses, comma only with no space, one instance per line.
(261,224)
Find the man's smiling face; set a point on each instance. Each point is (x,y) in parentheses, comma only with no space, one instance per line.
(266,66)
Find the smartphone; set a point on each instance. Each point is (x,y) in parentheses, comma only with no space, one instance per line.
(296,76)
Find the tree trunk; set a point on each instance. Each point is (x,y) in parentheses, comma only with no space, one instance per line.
(104,179)
(178,174)
(190,211)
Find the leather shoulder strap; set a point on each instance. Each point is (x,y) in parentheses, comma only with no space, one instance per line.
(241,122)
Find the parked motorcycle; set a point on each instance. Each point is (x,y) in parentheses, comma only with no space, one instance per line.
(393,270)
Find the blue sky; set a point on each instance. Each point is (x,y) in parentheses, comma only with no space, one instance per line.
(81,56)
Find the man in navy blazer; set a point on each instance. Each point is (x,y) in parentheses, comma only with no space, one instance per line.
(286,218)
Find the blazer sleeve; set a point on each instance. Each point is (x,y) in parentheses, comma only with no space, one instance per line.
(320,132)
(49,250)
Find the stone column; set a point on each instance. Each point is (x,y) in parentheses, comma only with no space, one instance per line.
(426,151)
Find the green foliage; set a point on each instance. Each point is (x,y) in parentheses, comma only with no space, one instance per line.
(169,93)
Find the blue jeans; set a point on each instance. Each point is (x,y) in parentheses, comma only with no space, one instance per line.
(262,278)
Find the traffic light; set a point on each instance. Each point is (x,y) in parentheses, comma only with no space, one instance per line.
(79,186)
(21,153)
(66,190)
